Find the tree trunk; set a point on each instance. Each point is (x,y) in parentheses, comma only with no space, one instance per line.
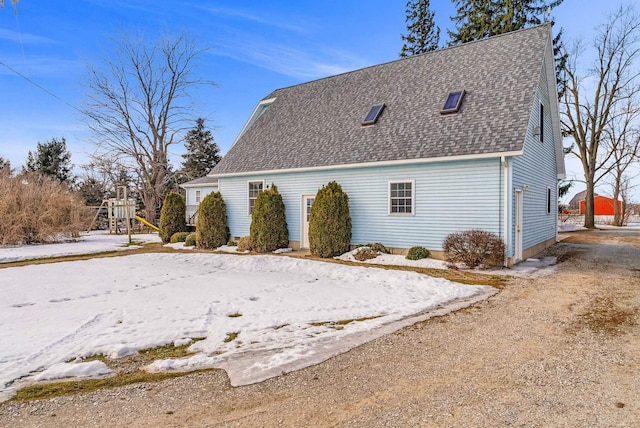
(618,214)
(589,222)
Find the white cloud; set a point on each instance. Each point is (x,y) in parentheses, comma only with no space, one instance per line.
(15,36)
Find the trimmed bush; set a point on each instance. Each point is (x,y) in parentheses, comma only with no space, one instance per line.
(232,244)
(244,244)
(190,240)
(474,248)
(365,253)
(268,222)
(418,253)
(172,216)
(379,248)
(178,237)
(330,222)
(212,230)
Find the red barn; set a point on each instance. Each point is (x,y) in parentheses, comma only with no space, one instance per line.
(601,205)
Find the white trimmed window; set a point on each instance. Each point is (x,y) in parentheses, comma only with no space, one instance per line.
(548,200)
(197,196)
(255,187)
(401,197)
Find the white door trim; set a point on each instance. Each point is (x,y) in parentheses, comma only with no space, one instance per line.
(304,225)
(519,226)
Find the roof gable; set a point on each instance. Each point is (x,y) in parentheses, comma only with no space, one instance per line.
(319,123)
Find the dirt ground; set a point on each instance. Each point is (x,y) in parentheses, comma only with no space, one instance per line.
(557,350)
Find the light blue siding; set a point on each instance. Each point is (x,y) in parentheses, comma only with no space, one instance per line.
(449,197)
(204,191)
(536,168)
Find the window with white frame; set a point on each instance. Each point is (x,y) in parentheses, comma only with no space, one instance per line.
(197,196)
(401,197)
(548,200)
(255,187)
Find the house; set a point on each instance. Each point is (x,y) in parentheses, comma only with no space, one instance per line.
(196,190)
(460,138)
(602,205)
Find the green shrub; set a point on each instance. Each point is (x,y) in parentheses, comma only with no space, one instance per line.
(268,222)
(418,253)
(379,248)
(232,243)
(365,253)
(244,244)
(178,237)
(190,240)
(212,230)
(474,248)
(330,222)
(172,216)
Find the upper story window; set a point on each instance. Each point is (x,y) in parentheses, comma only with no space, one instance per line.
(454,100)
(255,187)
(401,197)
(197,196)
(373,115)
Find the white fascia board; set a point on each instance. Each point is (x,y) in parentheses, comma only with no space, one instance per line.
(376,164)
(248,122)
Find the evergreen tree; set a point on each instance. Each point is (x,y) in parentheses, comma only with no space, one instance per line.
(51,159)
(202,153)
(212,228)
(5,167)
(423,35)
(268,222)
(330,222)
(479,19)
(172,216)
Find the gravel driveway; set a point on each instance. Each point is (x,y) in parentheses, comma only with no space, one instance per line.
(560,350)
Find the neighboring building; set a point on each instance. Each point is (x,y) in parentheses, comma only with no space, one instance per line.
(461,138)
(574,203)
(196,190)
(601,205)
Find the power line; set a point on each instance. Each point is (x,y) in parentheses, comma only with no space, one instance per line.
(40,86)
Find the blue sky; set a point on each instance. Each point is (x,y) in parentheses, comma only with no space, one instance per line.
(255,47)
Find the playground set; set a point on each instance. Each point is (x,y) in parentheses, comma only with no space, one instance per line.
(121,214)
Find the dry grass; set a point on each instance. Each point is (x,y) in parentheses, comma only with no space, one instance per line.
(603,315)
(128,371)
(37,209)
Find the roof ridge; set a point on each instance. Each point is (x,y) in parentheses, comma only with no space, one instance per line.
(412,57)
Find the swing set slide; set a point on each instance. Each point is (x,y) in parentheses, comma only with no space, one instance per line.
(146,223)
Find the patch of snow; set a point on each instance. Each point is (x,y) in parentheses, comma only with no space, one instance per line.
(283,250)
(289,307)
(179,246)
(569,227)
(230,249)
(75,370)
(87,243)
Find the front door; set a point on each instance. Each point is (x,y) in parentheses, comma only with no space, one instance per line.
(519,204)
(307,202)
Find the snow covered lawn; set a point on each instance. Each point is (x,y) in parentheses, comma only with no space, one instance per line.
(88,243)
(287,313)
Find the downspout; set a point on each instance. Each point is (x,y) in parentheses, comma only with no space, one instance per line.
(505,209)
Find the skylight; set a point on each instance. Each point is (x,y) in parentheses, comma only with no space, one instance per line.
(452,105)
(373,115)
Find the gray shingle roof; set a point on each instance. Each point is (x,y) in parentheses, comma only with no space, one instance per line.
(319,123)
(211,181)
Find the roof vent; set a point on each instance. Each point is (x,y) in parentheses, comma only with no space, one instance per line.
(373,115)
(454,100)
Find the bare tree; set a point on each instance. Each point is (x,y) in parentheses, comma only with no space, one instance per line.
(140,105)
(14,3)
(591,101)
(622,140)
